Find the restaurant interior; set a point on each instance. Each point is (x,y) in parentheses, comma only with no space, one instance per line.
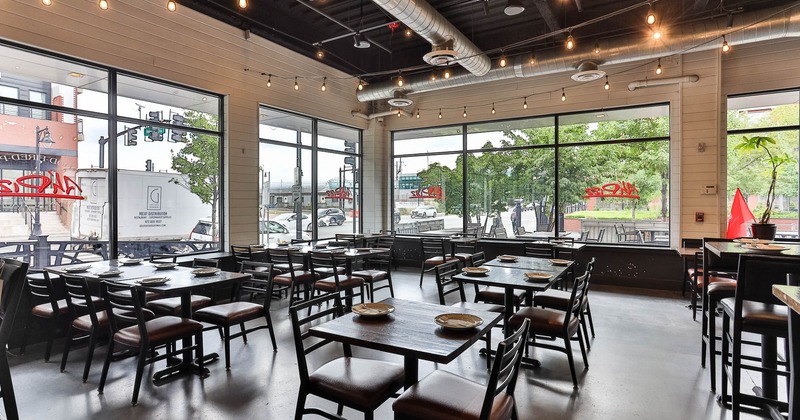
(478,170)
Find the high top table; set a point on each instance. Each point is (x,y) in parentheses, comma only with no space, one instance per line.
(790,295)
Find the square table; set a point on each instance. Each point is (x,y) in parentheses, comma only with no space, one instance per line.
(409,331)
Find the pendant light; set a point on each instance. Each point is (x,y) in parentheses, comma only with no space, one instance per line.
(103,4)
(323,87)
(607,86)
(563,95)
(269,80)
(296,86)
(242,4)
(659,70)
(171,6)
(725,46)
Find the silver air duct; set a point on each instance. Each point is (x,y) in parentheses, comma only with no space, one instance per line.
(757,26)
(423,19)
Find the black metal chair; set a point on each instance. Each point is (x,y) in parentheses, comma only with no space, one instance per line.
(13,273)
(433,254)
(492,294)
(325,266)
(443,395)
(47,306)
(378,268)
(89,323)
(296,279)
(538,249)
(172,305)
(560,299)
(361,384)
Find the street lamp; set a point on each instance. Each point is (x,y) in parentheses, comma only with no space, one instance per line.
(42,136)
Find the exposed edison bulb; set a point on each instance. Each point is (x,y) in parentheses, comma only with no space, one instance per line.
(725,46)
(323,87)
(47,2)
(440,113)
(409,32)
(525,103)
(596,48)
(570,43)
(563,95)
(465,112)
(269,81)
(659,70)
(296,86)
(446,73)
(417,114)
(533,58)
(651,17)
(399,113)
(503,60)
(607,86)
(360,85)
(103,4)
(656,34)
(320,53)
(493,111)
(242,4)
(400,81)
(433,76)
(171,6)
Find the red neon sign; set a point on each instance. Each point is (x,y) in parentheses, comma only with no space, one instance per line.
(341,193)
(62,187)
(433,191)
(621,189)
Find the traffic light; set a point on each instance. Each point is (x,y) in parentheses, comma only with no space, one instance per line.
(148,165)
(350,160)
(154,116)
(177,136)
(130,137)
(350,146)
(154,133)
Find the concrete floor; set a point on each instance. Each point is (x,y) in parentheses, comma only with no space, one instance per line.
(645,364)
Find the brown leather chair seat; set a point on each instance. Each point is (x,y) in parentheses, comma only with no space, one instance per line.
(371,275)
(497,295)
(172,306)
(364,382)
(446,396)
(756,315)
(329,284)
(229,313)
(45,310)
(434,261)
(160,330)
(479,306)
(544,321)
(300,276)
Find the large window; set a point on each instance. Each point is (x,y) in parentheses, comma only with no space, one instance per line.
(775,115)
(594,176)
(71,165)
(310,184)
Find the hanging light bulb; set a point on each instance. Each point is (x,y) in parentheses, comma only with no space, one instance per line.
(103,4)
(563,95)
(242,4)
(447,73)
(360,84)
(525,103)
(493,111)
(433,76)
(596,48)
(656,34)
(503,60)
(725,46)
(399,113)
(533,58)
(417,114)
(570,42)
(400,81)
(440,113)
(296,86)
(607,86)
(47,2)
(651,16)
(465,112)
(320,53)
(408,33)
(269,81)
(171,6)
(659,70)
(323,87)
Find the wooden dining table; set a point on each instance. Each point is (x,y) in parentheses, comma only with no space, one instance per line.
(409,331)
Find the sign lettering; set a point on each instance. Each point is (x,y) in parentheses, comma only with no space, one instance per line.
(61,186)
(433,191)
(620,189)
(341,193)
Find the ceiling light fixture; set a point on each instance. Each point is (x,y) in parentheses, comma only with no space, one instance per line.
(171,6)
(493,111)
(440,113)
(360,42)
(400,81)
(320,53)
(323,87)
(296,86)
(399,113)
(651,16)
(563,95)
(607,86)
(525,103)
(417,114)
(269,80)
(465,112)
(656,34)
(447,73)
(433,76)
(408,32)
(242,4)
(513,7)
(725,46)
(503,60)
(570,41)
(533,58)
(47,2)
(659,70)
(596,48)
(103,4)
(360,84)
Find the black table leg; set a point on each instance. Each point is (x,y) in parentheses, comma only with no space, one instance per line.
(794,349)
(411,366)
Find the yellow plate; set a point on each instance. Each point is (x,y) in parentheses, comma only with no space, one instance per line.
(372,310)
(458,321)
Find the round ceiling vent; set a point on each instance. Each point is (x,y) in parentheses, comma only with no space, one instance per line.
(587,72)
(441,55)
(399,100)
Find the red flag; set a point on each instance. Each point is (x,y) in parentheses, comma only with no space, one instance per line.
(740,218)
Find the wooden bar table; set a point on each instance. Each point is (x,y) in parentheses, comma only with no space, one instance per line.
(409,331)
(790,295)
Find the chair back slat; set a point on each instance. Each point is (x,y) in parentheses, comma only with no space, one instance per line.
(333,308)
(124,307)
(205,262)
(164,258)
(260,281)
(505,368)
(757,274)
(540,250)
(79,298)
(478,259)
(41,291)
(241,252)
(445,283)
(281,256)
(432,247)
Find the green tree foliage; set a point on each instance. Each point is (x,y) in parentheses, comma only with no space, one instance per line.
(198,161)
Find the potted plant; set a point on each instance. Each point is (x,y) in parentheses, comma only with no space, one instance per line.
(763,229)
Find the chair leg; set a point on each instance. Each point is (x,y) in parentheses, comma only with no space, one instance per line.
(736,374)
(244,332)
(584,344)
(389,279)
(106,364)
(271,331)
(589,317)
(703,332)
(67,344)
(137,384)
(7,388)
(725,353)
(712,343)
(585,332)
(489,349)
(90,353)
(421,273)
(50,337)
(571,360)
(301,403)
(227,330)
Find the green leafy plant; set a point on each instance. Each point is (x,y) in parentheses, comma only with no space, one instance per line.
(775,160)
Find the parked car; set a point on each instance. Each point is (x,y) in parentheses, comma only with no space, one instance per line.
(289,220)
(278,232)
(423,211)
(202,231)
(330,217)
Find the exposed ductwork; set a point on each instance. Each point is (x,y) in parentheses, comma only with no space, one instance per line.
(397,112)
(755,27)
(422,18)
(693,78)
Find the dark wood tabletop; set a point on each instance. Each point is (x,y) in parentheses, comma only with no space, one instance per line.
(410,331)
(530,264)
(721,248)
(514,277)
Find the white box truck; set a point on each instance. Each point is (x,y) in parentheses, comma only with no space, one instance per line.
(151,206)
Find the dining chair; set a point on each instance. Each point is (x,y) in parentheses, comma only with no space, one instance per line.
(560,300)
(557,324)
(163,258)
(89,322)
(47,306)
(689,266)
(173,305)
(599,237)
(358,383)
(241,253)
(295,278)
(538,250)
(237,312)
(492,294)
(132,330)
(755,311)
(325,266)
(446,396)
(13,274)
(378,268)
(464,252)
(445,285)
(433,254)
